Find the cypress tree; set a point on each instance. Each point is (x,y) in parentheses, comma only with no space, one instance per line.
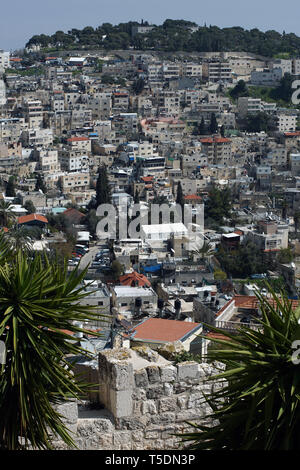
(10,188)
(213,127)
(102,187)
(179,197)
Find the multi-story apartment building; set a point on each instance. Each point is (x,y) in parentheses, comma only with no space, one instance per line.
(295,164)
(270,236)
(192,162)
(33,113)
(190,69)
(81,116)
(73,160)
(168,102)
(287,122)
(266,76)
(48,160)
(284,64)
(217,149)
(37,137)
(120,101)
(296,66)
(11,129)
(100,104)
(80,143)
(217,71)
(76,181)
(278,156)
(171,70)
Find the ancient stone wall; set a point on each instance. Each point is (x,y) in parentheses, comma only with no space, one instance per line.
(145,402)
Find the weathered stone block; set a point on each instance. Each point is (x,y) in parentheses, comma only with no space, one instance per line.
(130,424)
(105,441)
(168,373)
(152,434)
(121,437)
(182,402)
(139,394)
(138,436)
(155,391)
(167,404)
(121,376)
(141,378)
(187,415)
(168,389)
(153,374)
(187,370)
(150,407)
(102,425)
(163,418)
(121,403)
(181,387)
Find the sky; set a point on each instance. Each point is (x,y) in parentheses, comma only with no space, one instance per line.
(20,20)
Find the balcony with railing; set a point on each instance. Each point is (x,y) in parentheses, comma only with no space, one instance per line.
(234,326)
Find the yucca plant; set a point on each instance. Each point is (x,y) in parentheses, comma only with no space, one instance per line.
(259,404)
(37,301)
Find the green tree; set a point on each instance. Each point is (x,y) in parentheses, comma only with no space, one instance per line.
(136,197)
(40,185)
(259,406)
(29,206)
(102,187)
(239,90)
(179,196)
(218,205)
(285,256)
(219,275)
(202,127)
(10,187)
(6,214)
(205,251)
(138,86)
(213,126)
(39,300)
(297,220)
(117,269)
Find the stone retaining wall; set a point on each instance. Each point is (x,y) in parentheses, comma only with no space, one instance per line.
(144,407)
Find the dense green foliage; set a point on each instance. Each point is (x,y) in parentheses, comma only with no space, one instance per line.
(218,205)
(258,408)
(39,301)
(174,35)
(243,261)
(281,94)
(102,187)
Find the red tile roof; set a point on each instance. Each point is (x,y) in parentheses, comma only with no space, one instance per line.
(251,302)
(193,196)
(211,140)
(134,279)
(147,178)
(31,217)
(292,134)
(162,330)
(77,139)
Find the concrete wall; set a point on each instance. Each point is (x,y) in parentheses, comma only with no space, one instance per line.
(147,400)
